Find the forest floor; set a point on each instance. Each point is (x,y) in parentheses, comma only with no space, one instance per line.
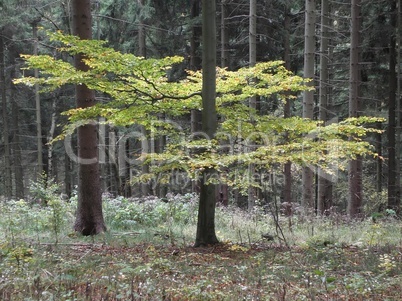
(333,260)
(227,271)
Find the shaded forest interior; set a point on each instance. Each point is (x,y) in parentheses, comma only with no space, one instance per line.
(351,51)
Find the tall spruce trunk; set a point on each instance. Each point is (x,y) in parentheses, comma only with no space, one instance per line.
(398,93)
(7,175)
(50,159)
(224,35)
(38,107)
(223,189)
(16,145)
(252,191)
(393,185)
(324,195)
(206,212)
(145,144)
(308,96)
(287,168)
(355,166)
(89,219)
(195,64)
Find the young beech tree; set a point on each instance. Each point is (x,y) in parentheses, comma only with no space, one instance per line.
(140,92)
(206,210)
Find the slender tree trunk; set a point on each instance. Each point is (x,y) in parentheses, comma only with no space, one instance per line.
(252,191)
(355,166)
(16,145)
(224,36)
(114,182)
(7,161)
(308,96)
(50,138)
(287,168)
(142,48)
(68,185)
(38,107)
(160,142)
(206,211)
(142,51)
(324,198)
(195,64)
(104,146)
(393,186)
(195,59)
(89,220)
(145,145)
(103,152)
(378,149)
(223,189)
(120,160)
(398,94)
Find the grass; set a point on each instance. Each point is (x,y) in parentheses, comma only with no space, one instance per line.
(147,255)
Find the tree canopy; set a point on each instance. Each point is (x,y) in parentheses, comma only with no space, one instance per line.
(141,89)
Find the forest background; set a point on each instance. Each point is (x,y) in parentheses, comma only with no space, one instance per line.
(305,168)
(315,41)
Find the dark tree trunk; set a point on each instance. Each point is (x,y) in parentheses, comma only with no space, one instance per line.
(7,162)
(160,189)
(223,189)
(393,186)
(124,150)
(50,157)
(68,185)
(225,61)
(142,51)
(308,96)
(142,48)
(89,220)
(398,28)
(379,161)
(195,59)
(16,146)
(206,211)
(355,166)
(324,195)
(38,108)
(195,64)
(287,169)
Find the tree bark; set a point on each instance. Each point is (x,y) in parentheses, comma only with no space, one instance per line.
(224,36)
(308,96)
(398,94)
(142,51)
(50,138)
(206,211)
(287,168)
(195,64)
(355,166)
(6,131)
(145,186)
(378,150)
(68,184)
(89,220)
(195,59)
(393,186)
(223,189)
(38,107)
(252,191)
(142,48)
(324,197)
(16,145)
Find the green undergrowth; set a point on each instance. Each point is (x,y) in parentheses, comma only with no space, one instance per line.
(146,254)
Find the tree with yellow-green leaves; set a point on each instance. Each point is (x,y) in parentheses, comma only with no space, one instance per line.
(140,91)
